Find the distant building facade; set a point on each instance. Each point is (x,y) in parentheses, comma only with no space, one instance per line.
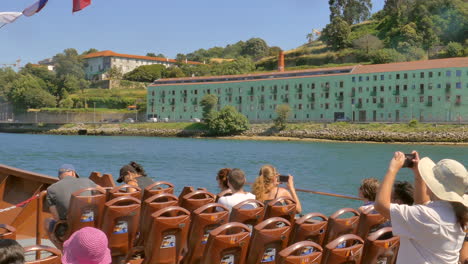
(428,91)
(98,63)
(49,63)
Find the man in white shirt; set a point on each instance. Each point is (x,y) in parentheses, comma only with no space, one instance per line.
(236,181)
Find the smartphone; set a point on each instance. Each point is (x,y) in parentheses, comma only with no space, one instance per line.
(283,178)
(409,161)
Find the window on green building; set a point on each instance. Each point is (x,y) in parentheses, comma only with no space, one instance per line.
(341,84)
(313,85)
(448,73)
(405,76)
(458,73)
(353,79)
(430,74)
(382,77)
(421,75)
(458,85)
(375,77)
(398,76)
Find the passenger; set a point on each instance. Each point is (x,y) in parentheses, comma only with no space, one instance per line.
(432,230)
(58,198)
(464,252)
(402,193)
(87,246)
(11,252)
(222,178)
(266,187)
(134,174)
(368,191)
(236,181)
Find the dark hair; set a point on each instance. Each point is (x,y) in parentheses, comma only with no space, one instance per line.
(138,168)
(236,178)
(403,191)
(11,252)
(461,212)
(369,188)
(222,177)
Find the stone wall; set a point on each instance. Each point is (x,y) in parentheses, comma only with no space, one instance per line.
(63,118)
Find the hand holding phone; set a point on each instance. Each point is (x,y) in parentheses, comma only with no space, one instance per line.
(283,178)
(409,160)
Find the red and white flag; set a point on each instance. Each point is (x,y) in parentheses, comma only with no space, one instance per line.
(80,4)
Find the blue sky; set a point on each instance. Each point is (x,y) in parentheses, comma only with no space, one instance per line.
(168,27)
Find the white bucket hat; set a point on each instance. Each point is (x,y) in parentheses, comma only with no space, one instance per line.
(447,179)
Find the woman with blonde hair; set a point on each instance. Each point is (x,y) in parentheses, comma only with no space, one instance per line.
(266,187)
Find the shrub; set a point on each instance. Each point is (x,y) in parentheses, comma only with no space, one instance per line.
(454,49)
(283,112)
(386,56)
(227,122)
(413,123)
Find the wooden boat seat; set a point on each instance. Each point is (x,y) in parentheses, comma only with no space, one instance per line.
(346,249)
(310,227)
(268,239)
(189,189)
(122,190)
(196,199)
(227,192)
(157,188)
(150,206)
(86,209)
(381,247)
(7,232)
(204,220)
(167,238)
(121,216)
(300,253)
(249,212)
(227,243)
(283,206)
(369,221)
(54,256)
(105,180)
(340,226)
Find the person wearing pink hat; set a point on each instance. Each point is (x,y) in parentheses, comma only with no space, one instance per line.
(432,230)
(87,246)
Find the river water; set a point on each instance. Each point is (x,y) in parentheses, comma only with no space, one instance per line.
(328,167)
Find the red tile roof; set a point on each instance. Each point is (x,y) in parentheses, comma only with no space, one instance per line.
(412,65)
(110,53)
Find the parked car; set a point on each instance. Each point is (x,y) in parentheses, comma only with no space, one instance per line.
(152,120)
(129,120)
(343,119)
(196,120)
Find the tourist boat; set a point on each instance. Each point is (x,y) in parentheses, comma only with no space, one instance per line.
(155,226)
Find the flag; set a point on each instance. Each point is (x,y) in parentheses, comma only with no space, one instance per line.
(80,4)
(34,8)
(8,17)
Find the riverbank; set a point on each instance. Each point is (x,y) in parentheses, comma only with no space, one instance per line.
(374,132)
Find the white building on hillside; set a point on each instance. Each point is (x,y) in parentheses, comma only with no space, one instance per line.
(98,63)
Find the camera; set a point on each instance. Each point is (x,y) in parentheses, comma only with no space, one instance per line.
(283,178)
(409,160)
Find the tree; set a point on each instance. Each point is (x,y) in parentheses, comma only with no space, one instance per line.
(174,72)
(181,57)
(283,111)
(352,11)
(255,48)
(454,49)
(368,43)
(227,122)
(336,34)
(274,51)
(150,54)
(69,63)
(146,73)
(7,77)
(115,73)
(28,92)
(239,66)
(91,50)
(208,104)
(386,56)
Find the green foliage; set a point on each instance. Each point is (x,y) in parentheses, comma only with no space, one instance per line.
(227,122)
(69,63)
(196,70)
(146,73)
(239,66)
(336,34)
(114,73)
(386,56)
(152,54)
(29,91)
(91,50)
(352,11)
(208,104)
(368,43)
(454,49)
(283,111)
(413,123)
(255,48)
(174,72)
(7,76)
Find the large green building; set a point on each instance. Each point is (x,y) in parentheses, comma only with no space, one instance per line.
(429,91)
